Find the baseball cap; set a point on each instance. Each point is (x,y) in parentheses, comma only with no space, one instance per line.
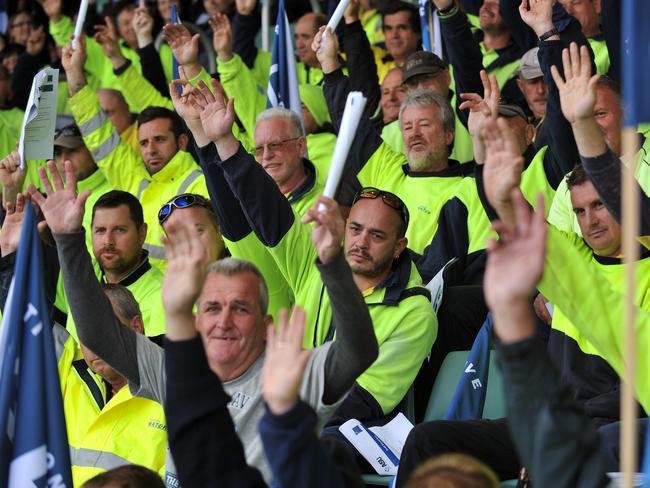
(529,68)
(68,137)
(422,63)
(509,109)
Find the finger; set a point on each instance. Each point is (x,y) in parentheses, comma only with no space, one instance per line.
(45,181)
(575,59)
(10,207)
(142,4)
(310,216)
(585,62)
(522,212)
(485,82)
(195,42)
(20,203)
(297,327)
(566,64)
(70,176)
(82,198)
(111,25)
(270,339)
(230,109)
(35,195)
(557,77)
(283,321)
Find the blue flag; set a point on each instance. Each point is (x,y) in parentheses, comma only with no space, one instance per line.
(4,20)
(34,446)
(469,398)
(431,41)
(635,46)
(283,78)
(175,74)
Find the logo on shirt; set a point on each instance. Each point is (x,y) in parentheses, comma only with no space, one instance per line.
(239,400)
(424,209)
(154,424)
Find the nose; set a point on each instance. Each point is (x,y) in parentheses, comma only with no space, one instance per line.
(541,88)
(362,240)
(224,319)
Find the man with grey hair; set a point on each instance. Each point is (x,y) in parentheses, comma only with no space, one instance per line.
(231,319)
(280,147)
(423,176)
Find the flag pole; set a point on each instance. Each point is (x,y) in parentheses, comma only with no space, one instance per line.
(432,37)
(630,221)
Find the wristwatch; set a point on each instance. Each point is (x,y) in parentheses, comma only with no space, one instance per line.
(551,33)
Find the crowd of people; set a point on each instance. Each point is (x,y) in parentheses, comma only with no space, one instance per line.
(216,318)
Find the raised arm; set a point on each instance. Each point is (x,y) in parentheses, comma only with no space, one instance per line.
(288,427)
(97,326)
(355,347)
(200,427)
(542,411)
(152,69)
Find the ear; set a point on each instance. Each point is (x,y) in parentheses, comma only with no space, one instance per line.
(302,145)
(137,324)
(530,134)
(449,137)
(519,84)
(183,140)
(142,233)
(400,245)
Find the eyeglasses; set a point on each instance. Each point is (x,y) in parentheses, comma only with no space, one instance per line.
(24,23)
(390,199)
(273,146)
(182,201)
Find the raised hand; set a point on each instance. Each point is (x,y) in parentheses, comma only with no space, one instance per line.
(481,108)
(187,108)
(63,208)
(106,36)
(329,228)
(217,114)
(221,36)
(503,166)
(52,9)
(187,264)
(73,61)
(515,262)
(351,13)
(284,362)
(245,7)
(185,46)
(538,15)
(327,52)
(12,176)
(36,41)
(143,25)
(578,91)
(12,226)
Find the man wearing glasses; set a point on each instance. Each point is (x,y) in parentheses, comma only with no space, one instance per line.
(374,247)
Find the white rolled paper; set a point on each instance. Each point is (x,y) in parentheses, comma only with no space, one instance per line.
(81,18)
(338,14)
(335,19)
(351,117)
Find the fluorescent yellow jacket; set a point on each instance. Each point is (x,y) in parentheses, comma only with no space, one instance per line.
(98,66)
(11,121)
(124,169)
(105,431)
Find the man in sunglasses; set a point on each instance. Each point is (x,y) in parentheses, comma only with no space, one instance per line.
(198,213)
(374,246)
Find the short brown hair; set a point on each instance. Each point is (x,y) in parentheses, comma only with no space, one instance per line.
(577,177)
(128,476)
(453,471)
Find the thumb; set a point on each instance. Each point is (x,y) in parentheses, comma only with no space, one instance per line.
(81,199)
(195,42)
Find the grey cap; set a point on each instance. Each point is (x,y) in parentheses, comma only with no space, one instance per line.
(422,63)
(68,137)
(530,68)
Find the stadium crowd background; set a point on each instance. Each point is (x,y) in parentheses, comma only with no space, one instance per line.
(181,218)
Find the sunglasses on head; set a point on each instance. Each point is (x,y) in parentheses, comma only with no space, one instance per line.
(390,199)
(182,201)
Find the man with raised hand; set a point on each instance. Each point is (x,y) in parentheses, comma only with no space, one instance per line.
(542,410)
(231,320)
(374,248)
(160,171)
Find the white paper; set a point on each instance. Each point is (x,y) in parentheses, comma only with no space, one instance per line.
(351,116)
(81,18)
(381,446)
(338,14)
(437,285)
(37,131)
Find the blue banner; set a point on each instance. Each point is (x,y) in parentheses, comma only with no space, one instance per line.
(4,20)
(175,74)
(635,47)
(34,446)
(431,35)
(283,78)
(469,398)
